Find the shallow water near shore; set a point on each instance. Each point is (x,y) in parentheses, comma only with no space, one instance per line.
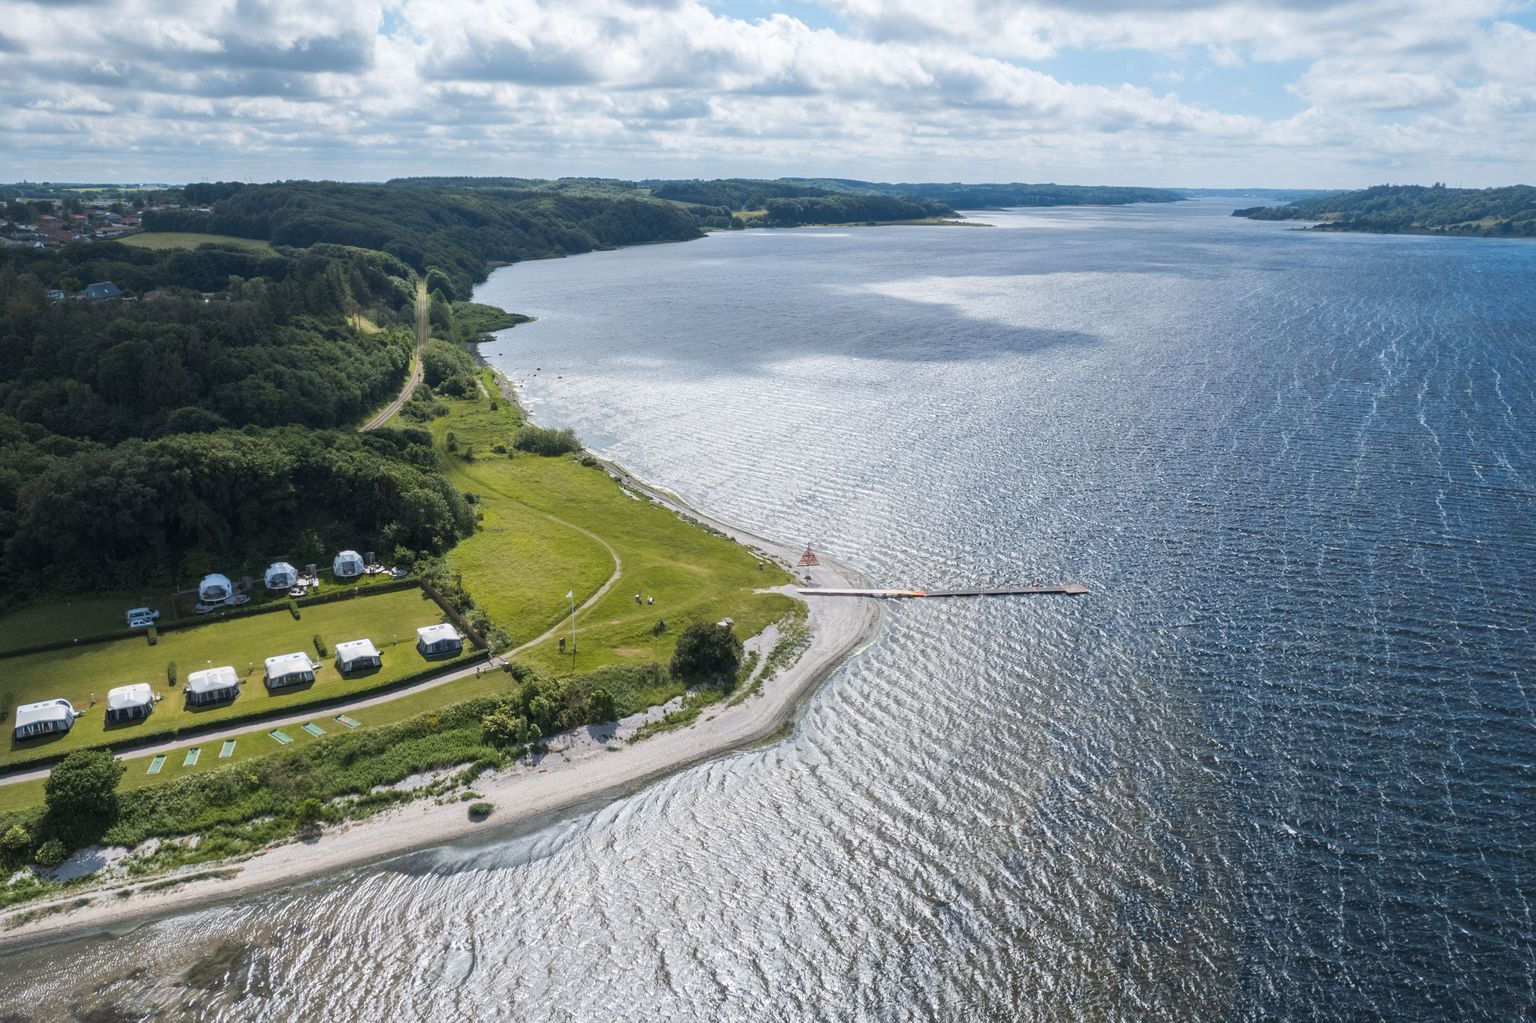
(1278,763)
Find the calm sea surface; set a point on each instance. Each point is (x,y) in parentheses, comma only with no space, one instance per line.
(1279,765)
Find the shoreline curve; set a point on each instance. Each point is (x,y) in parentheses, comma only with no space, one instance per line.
(558,787)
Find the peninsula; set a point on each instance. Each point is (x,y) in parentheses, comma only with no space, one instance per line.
(1415,209)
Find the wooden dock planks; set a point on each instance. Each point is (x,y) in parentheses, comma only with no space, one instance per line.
(1057,589)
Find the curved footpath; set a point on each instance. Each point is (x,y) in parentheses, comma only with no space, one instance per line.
(586,770)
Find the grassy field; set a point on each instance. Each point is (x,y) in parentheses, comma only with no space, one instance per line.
(76,674)
(540,516)
(191,240)
(55,621)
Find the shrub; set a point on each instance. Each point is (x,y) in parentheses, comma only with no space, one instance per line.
(600,706)
(544,440)
(707,653)
(310,813)
(505,727)
(51,853)
(293,608)
(153,635)
(170,673)
(82,788)
(17,840)
(480,811)
(452,442)
(320,647)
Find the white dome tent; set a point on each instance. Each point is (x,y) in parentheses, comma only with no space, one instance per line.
(215,588)
(348,565)
(281,576)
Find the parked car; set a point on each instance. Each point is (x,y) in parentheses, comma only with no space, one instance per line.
(145,614)
(140,623)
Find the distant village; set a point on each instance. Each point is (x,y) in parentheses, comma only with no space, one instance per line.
(49,223)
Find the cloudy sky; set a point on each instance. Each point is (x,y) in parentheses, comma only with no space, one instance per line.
(1158,92)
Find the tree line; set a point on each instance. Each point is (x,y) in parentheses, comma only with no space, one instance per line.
(459,231)
(1435,209)
(148,440)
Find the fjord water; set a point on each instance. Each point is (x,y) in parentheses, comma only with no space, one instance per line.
(1278,765)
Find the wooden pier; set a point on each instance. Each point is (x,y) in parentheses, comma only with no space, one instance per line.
(1060,589)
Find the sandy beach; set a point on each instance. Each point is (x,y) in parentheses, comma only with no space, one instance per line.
(589,766)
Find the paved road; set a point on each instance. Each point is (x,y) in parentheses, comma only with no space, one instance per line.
(423,308)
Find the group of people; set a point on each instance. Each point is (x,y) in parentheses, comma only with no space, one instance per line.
(645,600)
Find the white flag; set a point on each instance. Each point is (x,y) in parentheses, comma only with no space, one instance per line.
(571,595)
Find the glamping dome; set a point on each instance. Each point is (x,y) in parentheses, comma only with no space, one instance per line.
(281,575)
(215,588)
(348,564)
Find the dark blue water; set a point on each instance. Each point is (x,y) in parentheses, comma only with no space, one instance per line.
(1278,765)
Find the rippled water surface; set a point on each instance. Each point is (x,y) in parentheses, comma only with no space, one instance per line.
(1277,765)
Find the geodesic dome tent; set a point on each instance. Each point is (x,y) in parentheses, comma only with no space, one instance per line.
(214,588)
(280,575)
(348,565)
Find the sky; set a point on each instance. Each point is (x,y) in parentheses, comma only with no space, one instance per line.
(1213,93)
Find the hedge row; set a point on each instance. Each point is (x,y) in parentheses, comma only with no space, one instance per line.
(355,593)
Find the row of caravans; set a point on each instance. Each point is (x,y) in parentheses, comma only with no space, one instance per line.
(217,589)
(130,703)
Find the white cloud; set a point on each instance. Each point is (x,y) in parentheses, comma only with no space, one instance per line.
(901,89)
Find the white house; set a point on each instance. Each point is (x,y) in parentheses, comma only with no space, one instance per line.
(281,576)
(46,718)
(215,588)
(436,640)
(348,565)
(212,686)
(289,670)
(129,703)
(357,655)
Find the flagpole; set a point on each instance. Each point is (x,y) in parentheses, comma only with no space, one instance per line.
(571,594)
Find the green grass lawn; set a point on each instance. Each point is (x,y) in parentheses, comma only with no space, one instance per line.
(191,240)
(51,621)
(389,619)
(532,551)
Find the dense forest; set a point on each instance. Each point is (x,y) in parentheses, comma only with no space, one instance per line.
(1498,212)
(847,209)
(207,419)
(458,231)
(1000,196)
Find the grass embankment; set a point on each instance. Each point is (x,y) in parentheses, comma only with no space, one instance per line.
(476,318)
(78,673)
(190,240)
(542,518)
